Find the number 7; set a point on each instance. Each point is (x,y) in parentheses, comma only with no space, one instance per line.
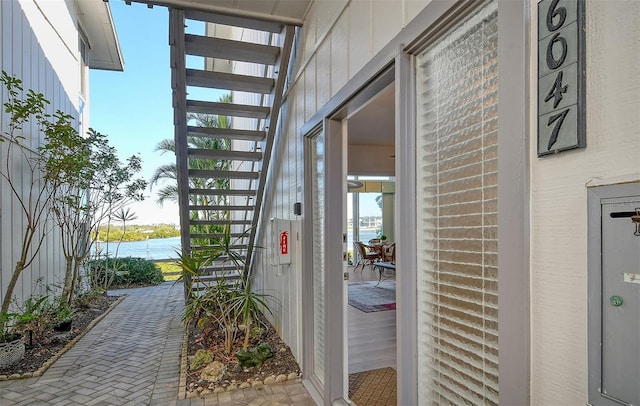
(554,134)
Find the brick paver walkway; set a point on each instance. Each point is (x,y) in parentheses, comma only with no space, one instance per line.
(132,357)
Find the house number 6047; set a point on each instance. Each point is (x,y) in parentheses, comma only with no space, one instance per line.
(561,76)
(553,63)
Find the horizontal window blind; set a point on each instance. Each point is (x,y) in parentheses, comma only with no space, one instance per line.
(457,214)
(318,209)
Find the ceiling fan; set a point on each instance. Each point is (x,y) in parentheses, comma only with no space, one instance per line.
(354,184)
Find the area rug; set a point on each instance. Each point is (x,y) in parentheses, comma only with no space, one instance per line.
(373,388)
(368,297)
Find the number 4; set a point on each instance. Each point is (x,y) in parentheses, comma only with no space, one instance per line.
(556,91)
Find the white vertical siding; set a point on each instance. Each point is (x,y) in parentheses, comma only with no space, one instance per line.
(340,52)
(386,18)
(39,45)
(310,89)
(359,37)
(558,193)
(337,41)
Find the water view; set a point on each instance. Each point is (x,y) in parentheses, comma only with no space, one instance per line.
(157,248)
(165,248)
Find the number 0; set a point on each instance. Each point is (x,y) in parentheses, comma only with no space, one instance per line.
(552,62)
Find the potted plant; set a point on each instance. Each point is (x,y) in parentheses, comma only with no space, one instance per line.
(11,344)
(63,317)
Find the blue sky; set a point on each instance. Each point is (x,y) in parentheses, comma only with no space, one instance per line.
(134,107)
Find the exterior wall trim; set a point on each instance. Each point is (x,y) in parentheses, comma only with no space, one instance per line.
(405,219)
(309,381)
(513,204)
(335,194)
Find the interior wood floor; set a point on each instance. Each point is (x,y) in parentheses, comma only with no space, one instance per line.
(372,336)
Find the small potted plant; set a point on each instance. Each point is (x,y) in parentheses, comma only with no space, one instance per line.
(383,237)
(63,317)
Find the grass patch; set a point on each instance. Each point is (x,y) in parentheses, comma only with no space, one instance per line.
(170,270)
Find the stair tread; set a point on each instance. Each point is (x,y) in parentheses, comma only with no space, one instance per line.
(205,236)
(235,21)
(229,49)
(227,109)
(213,173)
(220,207)
(222,192)
(227,133)
(225,154)
(221,222)
(229,81)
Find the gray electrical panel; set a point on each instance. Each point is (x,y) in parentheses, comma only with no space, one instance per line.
(614,294)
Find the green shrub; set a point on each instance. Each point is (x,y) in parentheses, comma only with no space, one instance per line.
(129,270)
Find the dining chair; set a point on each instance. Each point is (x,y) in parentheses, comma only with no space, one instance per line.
(389,253)
(365,253)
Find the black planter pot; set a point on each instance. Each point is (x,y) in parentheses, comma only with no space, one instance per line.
(63,326)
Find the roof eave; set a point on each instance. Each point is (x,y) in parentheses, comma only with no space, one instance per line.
(97,23)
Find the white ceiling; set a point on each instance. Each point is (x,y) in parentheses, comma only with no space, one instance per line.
(371,136)
(374,123)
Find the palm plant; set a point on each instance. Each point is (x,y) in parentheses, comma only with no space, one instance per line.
(168,172)
(229,301)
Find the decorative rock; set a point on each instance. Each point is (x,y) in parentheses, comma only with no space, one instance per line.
(218,390)
(192,395)
(233,386)
(257,384)
(292,376)
(200,359)
(269,380)
(245,385)
(213,372)
(205,392)
(14,376)
(281,378)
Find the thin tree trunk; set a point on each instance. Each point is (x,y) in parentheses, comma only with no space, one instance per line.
(74,280)
(12,284)
(67,289)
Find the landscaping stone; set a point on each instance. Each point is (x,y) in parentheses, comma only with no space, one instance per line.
(200,359)
(213,372)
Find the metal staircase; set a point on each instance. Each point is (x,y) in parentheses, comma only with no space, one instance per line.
(221,188)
